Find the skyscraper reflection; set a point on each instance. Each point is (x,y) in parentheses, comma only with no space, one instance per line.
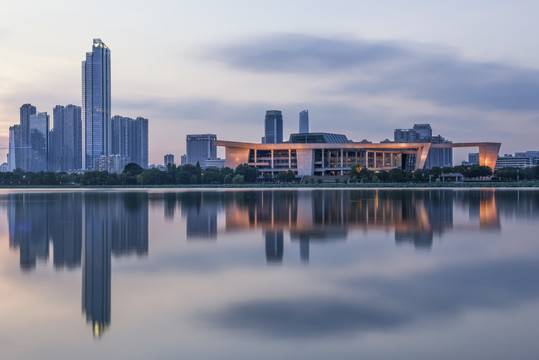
(200,211)
(96,268)
(114,224)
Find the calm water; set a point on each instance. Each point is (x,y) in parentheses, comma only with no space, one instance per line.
(324,274)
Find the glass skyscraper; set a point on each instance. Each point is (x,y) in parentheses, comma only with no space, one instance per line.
(273,127)
(304,122)
(96,124)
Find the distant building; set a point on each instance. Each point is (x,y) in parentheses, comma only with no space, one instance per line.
(14,147)
(422,133)
(3,167)
(96,122)
(519,160)
(217,163)
(65,148)
(23,152)
(304,122)
(169,159)
(39,142)
(130,139)
(473,159)
(200,147)
(183,160)
(273,127)
(111,163)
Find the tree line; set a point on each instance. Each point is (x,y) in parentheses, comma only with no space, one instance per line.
(133,174)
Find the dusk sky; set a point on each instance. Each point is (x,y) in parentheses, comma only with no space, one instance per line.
(362,68)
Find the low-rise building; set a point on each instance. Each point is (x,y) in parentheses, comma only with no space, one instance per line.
(111,163)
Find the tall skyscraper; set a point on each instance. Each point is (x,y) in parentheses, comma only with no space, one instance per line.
(66,139)
(130,139)
(273,126)
(200,148)
(304,122)
(96,125)
(39,142)
(23,152)
(14,147)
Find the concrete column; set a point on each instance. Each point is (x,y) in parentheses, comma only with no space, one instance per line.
(323,162)
(342,161)
(272,166)
(289,158)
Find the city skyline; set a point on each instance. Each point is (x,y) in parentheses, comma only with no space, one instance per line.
(344,63)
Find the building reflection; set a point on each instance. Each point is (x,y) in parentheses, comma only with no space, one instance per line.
(415,216)
(115,224)
(108,224)
(200,211)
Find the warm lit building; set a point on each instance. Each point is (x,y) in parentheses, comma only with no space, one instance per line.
(316,154)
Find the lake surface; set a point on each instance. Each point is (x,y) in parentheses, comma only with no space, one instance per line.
(272,274)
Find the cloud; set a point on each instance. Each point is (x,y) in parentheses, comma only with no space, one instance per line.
(384,305)
(411,71)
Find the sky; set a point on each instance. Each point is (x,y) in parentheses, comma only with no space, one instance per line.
(361,68)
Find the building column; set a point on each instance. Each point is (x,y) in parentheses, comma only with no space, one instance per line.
(289,158)
(342,160)
(272,159)
(256,156)
(323,163)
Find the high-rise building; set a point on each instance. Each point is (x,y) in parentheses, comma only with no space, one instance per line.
(65,150)
(422,133)
(14,147)
(304,122)
(23,152)
(38,142)
(200,148)
(169,159)
(273,127)
(130,139)
(96,125)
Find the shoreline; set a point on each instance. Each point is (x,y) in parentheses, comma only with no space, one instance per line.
(396,186)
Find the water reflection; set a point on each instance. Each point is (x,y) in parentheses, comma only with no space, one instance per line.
(88,228)
(108,224)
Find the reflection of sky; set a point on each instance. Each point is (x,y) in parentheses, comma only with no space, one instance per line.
(363,297)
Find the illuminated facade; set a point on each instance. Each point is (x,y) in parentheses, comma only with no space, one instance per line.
(315,159)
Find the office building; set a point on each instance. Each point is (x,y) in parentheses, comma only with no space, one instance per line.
(23,152)
(273,127)
(518,160)
(96,126)
(169,159)
(200,147)
(38,142)
(473,159)
(304,122)
(65,150)
(130,139)
(14,147)
(422,133)
(111,163)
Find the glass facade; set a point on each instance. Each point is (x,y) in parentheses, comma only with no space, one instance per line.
(96,104)
(39,142)
(273,127)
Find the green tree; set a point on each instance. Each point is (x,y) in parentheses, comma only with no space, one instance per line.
(133,169)
(396,175)
(249,173)
(238,179)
